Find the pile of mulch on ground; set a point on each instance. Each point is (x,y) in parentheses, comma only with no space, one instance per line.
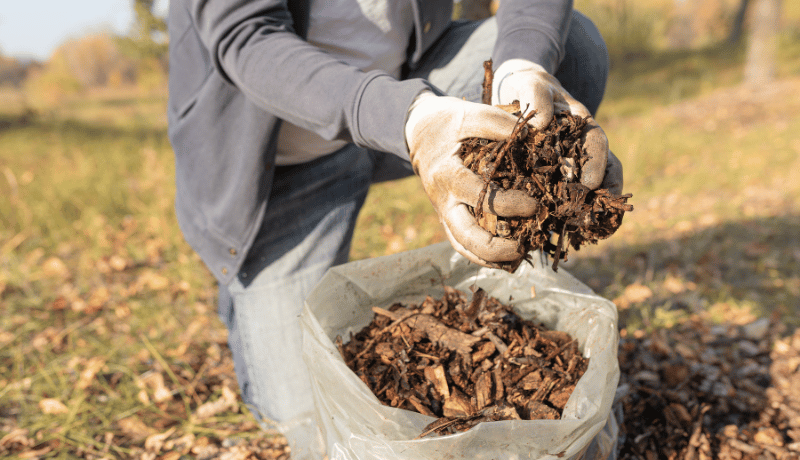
(547,165)
(702,392)
(464,362)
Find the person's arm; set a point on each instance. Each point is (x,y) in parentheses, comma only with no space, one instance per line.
(254,47)
(533,30)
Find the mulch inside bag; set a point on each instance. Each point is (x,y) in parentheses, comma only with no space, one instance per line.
(464,361)
(356,425)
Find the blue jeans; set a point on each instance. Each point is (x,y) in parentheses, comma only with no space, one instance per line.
(309,223)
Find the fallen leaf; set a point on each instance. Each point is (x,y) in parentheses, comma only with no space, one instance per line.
(134,427)
(41,340)
(683,226)
(153,249)
(16,439)
(227,401)
(674,285)
(171,456)
(59,304)
(206,451)
(117,262)
(155,442)
(103,267)
(634,293)
(236,453)
(6,337)
(78,305)
(54,267)
(153,281)
(52,406)
(36,453)
(395,244)
(182,444)
(99,297)
(93,366)
(193,329)
(156,382)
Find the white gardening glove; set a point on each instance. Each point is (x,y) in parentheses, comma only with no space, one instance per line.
(434,131)
(535,89)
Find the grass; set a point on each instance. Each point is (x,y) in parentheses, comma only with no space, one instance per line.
(93,267)
(104,307)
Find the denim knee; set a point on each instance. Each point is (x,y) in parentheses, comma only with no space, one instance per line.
(584,70)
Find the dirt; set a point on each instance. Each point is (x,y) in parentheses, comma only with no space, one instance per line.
(464,362)
(546,165)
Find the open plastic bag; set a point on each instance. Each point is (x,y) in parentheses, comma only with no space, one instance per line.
(355,425)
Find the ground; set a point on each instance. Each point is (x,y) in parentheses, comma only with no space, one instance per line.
(111,348)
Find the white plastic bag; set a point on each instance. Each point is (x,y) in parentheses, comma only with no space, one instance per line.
(355,425)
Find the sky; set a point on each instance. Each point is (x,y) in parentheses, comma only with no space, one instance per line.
(35,28)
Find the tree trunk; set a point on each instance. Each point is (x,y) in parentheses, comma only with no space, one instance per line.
(738,23)
(762,44)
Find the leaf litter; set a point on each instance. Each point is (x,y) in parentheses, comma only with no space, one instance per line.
(703,391)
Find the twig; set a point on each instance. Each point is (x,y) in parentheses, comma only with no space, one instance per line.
(557,254)
(439,425)
(488,78)
(394,323)
(519,128)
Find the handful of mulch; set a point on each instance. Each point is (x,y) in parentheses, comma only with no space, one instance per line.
(464,362)
(547,165)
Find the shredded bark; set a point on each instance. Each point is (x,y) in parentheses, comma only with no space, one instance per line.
(465,362)
(546,165)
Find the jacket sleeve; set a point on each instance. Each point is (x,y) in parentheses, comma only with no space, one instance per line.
(254,47)
(535,30)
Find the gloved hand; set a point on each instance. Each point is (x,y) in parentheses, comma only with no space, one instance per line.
(434,131)
(535,89)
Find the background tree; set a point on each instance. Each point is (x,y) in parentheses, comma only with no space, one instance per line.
(762,45)
(738,22)
(14,71)
(148,38)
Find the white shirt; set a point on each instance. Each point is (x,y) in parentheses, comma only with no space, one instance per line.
(368,34)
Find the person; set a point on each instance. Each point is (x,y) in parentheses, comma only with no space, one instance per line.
(283,113)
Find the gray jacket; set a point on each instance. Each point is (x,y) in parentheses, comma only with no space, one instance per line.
(237,67)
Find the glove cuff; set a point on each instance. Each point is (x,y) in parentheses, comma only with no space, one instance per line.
(417,111)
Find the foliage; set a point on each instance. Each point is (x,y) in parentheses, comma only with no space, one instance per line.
(52,84)
(635,30)
(13,72)
(148,39)
(102,60)
(80,64)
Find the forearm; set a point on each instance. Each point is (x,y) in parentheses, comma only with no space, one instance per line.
(535,30)
(255,48)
